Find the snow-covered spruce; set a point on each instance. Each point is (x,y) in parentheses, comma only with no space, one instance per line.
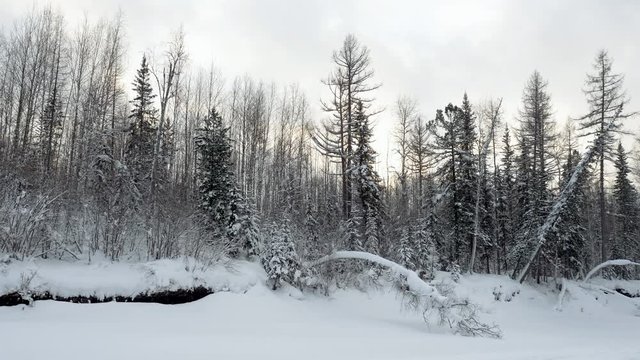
(459,314)
(280,259)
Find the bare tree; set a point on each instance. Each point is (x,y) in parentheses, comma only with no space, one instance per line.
(350,84)
(406,111)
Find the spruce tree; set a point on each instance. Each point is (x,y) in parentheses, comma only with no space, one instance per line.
(536,135)
(229,215)
(467,179)
(625,197)
(454,147)
(505,203)
(405,249)
(280,259)
(427,235)
(570,230)
(142,129)
(368,185)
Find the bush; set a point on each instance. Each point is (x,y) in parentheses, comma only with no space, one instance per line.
(280,259)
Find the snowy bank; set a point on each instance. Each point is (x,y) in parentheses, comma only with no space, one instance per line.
(105,280)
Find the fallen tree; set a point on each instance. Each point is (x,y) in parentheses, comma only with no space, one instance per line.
(459,314)
(585,285)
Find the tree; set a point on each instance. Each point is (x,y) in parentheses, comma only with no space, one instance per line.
(368,185)
(536,134)
(483,223)
(350,84)
(140,148)
(455,141)
(405,249)
(544,230)
(176,56)
(625,197)
(445,150)
(406,109)
(228,214)
(280,259)
(570,230)
(607,101)
(418,157)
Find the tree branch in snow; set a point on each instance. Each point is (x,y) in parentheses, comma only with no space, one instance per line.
(459,315)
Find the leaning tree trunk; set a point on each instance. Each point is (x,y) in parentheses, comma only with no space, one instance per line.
(560,202)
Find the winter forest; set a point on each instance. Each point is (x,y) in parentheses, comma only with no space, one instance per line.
(181,162)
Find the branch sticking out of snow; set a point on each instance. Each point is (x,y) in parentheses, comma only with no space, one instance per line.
(460,315)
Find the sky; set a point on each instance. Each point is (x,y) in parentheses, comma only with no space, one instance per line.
(433,51)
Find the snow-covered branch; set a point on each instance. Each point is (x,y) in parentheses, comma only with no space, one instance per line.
(459,315)
(617,262)
(585,285)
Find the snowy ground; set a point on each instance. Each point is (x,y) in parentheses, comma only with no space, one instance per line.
(260,324)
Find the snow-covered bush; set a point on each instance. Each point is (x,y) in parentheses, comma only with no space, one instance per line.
(24,228)
(280,260)
(455,271)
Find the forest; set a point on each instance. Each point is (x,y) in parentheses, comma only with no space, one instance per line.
(181,162)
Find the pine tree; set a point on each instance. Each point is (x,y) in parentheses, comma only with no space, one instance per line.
(455,142)
(51,130)
(350,86)
(570,230)
(536,134)
(243,228)
(505,202)
(426,235)
(229,215)
(625,198)
(140,148)
(368,185)
(311,232)
(280,259)
(405,249)
(467,179)
(606,100)
(445,149)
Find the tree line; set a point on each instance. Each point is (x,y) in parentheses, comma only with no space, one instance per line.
(194,165)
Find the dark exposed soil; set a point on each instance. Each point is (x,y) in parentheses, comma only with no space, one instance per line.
(168,297)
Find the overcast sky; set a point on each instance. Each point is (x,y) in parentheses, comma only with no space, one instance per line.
(433,51)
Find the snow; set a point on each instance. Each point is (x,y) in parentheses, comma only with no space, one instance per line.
(105,278)
(252,322)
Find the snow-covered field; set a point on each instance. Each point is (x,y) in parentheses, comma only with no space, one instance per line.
(251,322)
